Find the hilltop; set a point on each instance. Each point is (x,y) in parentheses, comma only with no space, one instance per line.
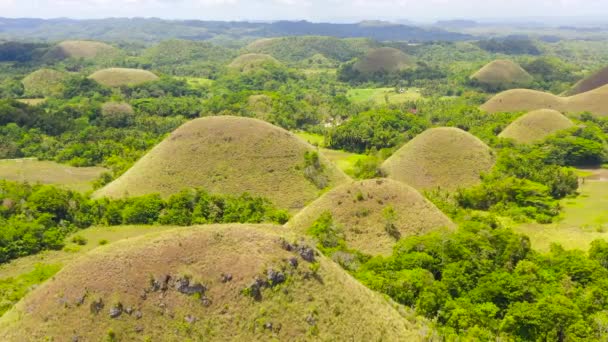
(383,59)
(225,283)
(252,61)
(536,125)
(231,155)
(374,214)
(43,82)
(116,77)
(81,49)
(446,158)
(515,100)
(594,81)
(502,74)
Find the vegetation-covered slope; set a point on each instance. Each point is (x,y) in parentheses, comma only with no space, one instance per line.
(116,77)
(82,49)
(383,59)
(221,283)
(594,81)
(536,125)
(374,214)
(43,82)
(446,158)
(251,62)
(502,74)
(231,155)
(594,101)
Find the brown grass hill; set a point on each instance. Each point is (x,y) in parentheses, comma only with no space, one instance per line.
(213,283)
(231,155)
(43,83)
(82,49)
(594,81)
(374,214)
(383,59)
(117,77)
(518,100)
(251,62)
(536,125)
(447,158)
(501,74)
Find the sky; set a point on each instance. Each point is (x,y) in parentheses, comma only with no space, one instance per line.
(313,10)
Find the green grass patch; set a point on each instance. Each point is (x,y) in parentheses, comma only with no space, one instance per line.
(345,161)
(383,95)
(197,82)
(312,138)
(13,289)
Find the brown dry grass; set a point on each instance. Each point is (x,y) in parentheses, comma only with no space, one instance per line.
(43,82)
(387,59)
(502,73)
(516,100)
(361,210)
(32,102)
(446,158)
(83,49)
(228,155)
(594,81)
(536,125)
(116,77)
(329,306)
(252,61)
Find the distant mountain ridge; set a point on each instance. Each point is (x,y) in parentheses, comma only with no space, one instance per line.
(155,29)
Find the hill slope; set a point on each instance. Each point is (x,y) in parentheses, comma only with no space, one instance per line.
(596,80)
(221,283)
(252,61)
(116,77)
(363,210)
(445,157)
(502,73)
(229,155)
(43,82)
(536,125)
(515,100)
(82,49)
(387,59)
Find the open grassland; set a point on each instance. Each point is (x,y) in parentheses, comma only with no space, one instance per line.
(117,77)
(32,102)
(536,125)
(197,82)
(446,158)
(585,218)
(383,95)
(48,172)
(225,283)
(43,82)
(384,59)
(82,49)
(516,100)
(251,62)
(345,161)
(502,73)
(374,214)
(230,155)
(594,81)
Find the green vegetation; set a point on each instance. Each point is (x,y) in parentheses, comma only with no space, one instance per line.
(13,289)
(383,95)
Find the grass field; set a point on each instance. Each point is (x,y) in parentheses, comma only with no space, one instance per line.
(502,73)
(585,219)
(381,95)
(536,125)
(48,172)
(385,58)
(197,82)
(345,161)
(117,77)
(32,102)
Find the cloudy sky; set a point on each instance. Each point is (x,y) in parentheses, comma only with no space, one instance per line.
(316,10)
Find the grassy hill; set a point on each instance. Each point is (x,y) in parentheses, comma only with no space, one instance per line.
(515,100)
(82,49)
(297,49)
(221,283)
(536,125)
(445,157)
(502,74)
(47,172)
(116,77)
(594,81)
(43,82)
(186,58)
(387,59)
(252,61)
(365,210)
(230,155)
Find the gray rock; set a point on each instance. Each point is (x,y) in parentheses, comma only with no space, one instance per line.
(139,329)
(116,311)
(97,306)
(275,277)
(293,262)
(307,253)
(190,319)
(137,314)
(226,277)
(183,286)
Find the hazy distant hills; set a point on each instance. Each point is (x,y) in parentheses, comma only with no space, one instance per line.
(157,29)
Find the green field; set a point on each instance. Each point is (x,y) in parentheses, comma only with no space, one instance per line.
(197,82)
(381,95)
(585,219)
(345,161)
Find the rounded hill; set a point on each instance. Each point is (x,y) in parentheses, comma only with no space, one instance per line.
(252,61)
(502,74)
(43,83)
(383,59)
(82,49)
(447,158)
(220,283)
(117,77)
(536,125)
(516,100)
(374,214)
(594,81)
(231,155)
